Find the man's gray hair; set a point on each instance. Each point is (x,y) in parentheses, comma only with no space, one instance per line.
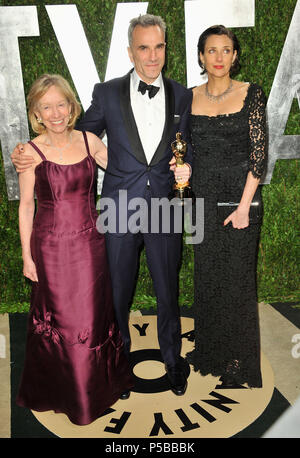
(145,20)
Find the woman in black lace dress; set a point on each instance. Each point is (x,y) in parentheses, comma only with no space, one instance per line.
(228,136)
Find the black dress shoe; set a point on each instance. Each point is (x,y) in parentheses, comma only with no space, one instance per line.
(177,379)
(125,395)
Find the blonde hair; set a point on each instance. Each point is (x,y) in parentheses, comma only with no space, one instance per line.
(39,89)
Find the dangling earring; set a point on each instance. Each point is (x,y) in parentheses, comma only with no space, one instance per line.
(39,120)
(70,120)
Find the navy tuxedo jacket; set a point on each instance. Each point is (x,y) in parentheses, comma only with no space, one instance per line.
(127,167)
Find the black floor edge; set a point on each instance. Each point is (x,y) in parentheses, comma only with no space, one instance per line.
(290,310)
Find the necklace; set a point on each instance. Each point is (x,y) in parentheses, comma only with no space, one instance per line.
(220,97)
(61,149)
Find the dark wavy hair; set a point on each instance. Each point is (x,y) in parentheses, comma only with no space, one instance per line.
(220,30)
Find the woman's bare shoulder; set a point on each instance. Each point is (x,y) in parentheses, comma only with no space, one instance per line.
(241,85)
(198,90)
(30,151)
(92,137)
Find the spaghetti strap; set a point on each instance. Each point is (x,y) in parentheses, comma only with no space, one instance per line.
(86,143)
(37,150)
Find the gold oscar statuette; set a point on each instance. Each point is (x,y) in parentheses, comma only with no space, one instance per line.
(181,190)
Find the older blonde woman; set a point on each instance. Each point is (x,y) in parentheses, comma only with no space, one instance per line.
(74,362)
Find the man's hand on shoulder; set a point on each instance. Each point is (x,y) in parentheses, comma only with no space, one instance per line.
(21,160)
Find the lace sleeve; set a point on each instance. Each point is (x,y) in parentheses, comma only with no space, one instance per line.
(257,132)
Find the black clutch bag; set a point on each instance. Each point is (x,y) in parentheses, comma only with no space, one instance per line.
(226,208)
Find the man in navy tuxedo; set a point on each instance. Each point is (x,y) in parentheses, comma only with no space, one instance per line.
(140,128)
(141,114)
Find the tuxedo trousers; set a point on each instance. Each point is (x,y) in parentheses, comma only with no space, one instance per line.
(163,254)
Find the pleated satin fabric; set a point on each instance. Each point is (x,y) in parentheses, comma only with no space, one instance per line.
(74,360)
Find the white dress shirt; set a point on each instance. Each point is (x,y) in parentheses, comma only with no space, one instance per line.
(149,114)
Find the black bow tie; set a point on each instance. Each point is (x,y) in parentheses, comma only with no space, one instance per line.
(152,90)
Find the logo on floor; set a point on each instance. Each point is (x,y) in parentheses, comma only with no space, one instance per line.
(208,408)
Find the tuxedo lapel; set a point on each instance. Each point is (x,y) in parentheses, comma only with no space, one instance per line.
(169,119)
(129,121)
(131,127)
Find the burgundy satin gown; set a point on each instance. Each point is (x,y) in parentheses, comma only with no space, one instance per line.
(74,361)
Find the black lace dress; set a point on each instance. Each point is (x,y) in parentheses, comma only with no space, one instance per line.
(226,148)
